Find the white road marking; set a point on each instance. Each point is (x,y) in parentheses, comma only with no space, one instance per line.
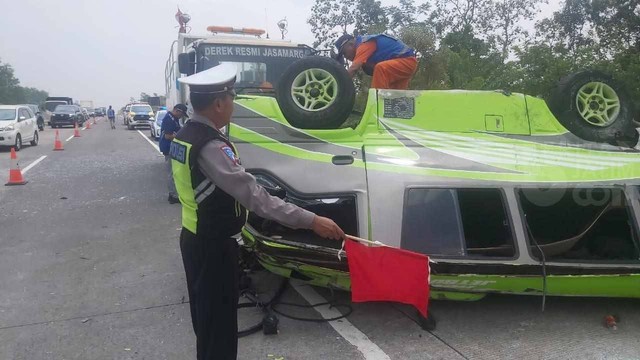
(70,137)
(357,338)
(149,141)
(33,163)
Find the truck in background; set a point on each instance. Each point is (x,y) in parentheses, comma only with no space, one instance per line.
(86,104)
(51,103)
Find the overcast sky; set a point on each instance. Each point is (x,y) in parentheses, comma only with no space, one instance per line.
(110,50)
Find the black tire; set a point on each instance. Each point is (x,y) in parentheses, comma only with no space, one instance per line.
(35,140)
(618,130)
(330,115)
(18,144)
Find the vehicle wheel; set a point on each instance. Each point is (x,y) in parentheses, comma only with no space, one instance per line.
(18,144)
(594,107)
(129,127)
(316,93)
(35,140)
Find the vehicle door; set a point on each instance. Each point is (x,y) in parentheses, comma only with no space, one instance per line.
(33,122)
(23,125)
(78,116)
(422,138)
(421,180)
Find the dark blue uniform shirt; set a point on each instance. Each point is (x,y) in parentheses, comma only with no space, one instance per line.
(169,125)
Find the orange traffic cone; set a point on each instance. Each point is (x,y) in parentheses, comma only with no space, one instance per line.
(76,131)
(15,175)
(88,126)
(57,144)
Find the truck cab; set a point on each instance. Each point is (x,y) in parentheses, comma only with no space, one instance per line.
(261,62)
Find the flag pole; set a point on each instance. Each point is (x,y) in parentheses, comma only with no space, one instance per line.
(361,240)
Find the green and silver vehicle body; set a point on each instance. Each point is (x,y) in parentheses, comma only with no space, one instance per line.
(487,183)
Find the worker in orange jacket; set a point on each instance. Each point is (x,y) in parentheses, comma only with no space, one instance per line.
(391,62)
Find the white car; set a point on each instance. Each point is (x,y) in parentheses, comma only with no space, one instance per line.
(139,115)
(157,124)
(18,124)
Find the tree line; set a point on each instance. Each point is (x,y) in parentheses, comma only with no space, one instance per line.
(12,93)
(496,44)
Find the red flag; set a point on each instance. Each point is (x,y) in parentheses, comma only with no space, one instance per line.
(383,273)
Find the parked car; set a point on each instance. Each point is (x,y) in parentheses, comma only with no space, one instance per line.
(40,118)
(139,114)
(155,128)
(91,112)
(100,111)
(67,115)
(18,124)
(51,103)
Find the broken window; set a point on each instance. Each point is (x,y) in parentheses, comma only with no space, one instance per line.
(339,208)
(457,222)
(579,224)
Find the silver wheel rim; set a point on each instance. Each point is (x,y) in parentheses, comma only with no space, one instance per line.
(598,104)
(314,90)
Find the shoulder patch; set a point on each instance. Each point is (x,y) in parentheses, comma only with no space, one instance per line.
(178,152)
(230,154)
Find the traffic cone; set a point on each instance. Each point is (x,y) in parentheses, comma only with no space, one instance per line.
(76,131)
(15,175)
(57,144)
(88,125)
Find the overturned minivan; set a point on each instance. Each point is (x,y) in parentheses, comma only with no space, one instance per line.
(505,193)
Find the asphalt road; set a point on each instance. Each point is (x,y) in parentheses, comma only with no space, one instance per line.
(90,268)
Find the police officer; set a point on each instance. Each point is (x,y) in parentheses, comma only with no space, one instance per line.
(216,193)
(169,128)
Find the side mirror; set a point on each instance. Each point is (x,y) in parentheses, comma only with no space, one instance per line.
(21,118)
(187,63)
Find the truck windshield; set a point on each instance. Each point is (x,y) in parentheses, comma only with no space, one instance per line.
(7,114)
(258,66)
(51,105)
(251,74)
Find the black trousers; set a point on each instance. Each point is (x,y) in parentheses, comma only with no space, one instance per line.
(211,266)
